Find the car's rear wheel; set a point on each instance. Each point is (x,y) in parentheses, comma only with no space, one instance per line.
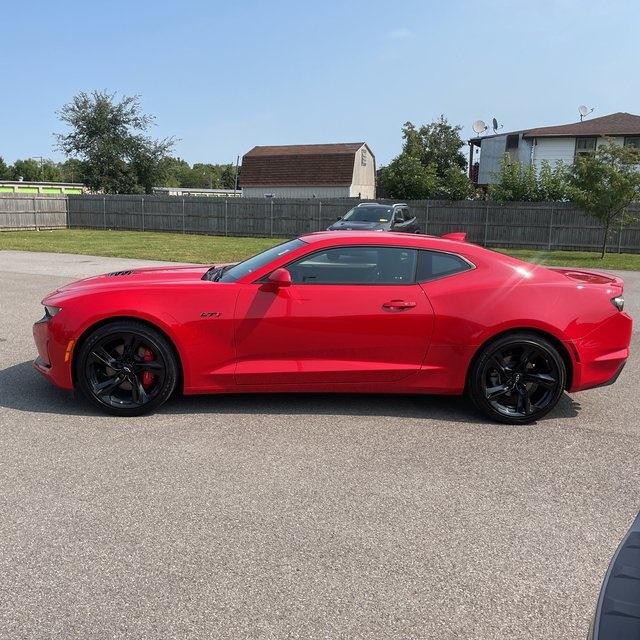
(517,379)
(126,368)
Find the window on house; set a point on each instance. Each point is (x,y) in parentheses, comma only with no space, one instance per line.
(632,141)
(363,158)
(512,141)
(585,146)
(511,146)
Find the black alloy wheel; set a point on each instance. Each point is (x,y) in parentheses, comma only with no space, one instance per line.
(126,368)
(517,379)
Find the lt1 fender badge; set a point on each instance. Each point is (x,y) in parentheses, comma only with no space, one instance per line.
(210,314)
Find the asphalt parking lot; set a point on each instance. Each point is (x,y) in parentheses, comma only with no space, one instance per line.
(300,516)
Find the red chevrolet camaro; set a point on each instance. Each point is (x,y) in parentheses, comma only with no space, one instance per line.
(357,312)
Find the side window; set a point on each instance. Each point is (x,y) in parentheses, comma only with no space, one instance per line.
(399,216)
(434,264)
(585,146)
(356,265)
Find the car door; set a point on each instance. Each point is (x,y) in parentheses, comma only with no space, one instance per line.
(403,221)
(351,315)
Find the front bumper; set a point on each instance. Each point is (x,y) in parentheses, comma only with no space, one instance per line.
(54,354)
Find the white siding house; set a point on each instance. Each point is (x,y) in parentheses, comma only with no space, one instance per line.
(554,144)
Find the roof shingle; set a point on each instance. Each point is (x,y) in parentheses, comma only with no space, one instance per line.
(616,124)
(294,165)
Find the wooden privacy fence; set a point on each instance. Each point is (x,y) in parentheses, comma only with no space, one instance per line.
(544,226)
(30,211)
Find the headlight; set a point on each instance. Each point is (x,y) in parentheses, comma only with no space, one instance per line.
(618,302)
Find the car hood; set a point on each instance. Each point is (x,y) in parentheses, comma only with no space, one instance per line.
(346,225)
(133,278)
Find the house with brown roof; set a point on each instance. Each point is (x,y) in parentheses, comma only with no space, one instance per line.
(345,170)
(561,142)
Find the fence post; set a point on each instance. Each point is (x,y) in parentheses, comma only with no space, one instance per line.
(551,227)
(620,238)
(226,217)
(319,215)
(104,213)
(35,213)
(182,215)
(142,203)
(271,228)
(486,224)
(426,219)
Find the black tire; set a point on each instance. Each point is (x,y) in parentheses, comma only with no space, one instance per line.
(126,368)
(517,379)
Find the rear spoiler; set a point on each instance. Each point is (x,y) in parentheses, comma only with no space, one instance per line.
(460,236)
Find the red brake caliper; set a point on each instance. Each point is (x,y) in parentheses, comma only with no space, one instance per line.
(147,377)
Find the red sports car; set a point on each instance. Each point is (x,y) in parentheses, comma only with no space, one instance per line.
(362,312)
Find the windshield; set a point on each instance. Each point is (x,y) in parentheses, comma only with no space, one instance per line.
(368,214)
(256,262)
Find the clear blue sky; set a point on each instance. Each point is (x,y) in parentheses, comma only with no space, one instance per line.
(226,76)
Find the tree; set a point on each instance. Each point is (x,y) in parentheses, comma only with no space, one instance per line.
(109,139)
(437,149)
(553,182)
(29,170)
(605,183)
(228,176)
(406,178)
(519,183)
(4,170)
(438,144)
(206,176)
(71,170)
(175,172)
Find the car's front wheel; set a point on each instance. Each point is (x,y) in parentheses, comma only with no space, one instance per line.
(517,379)
(126,368)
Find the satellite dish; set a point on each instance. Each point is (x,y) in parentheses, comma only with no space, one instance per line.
(479,126)
(495,126)
(584,111)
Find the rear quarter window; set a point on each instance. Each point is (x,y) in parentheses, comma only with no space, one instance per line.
(435,264)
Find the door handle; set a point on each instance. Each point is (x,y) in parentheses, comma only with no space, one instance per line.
(398,304)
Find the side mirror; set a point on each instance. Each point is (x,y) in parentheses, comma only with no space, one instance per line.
(280,278)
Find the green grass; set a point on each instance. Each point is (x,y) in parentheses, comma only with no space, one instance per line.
(210,249)
(587,259)
(137,244)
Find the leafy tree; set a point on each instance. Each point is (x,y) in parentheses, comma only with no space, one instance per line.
(205,176)
(71,170)
(553,182)
(228,176)
(518,183)
(406,178)
(455,185)
(28,170)
(438,144)
(437,148)
(4,170)
(109,138)
(175,171)
(605,183)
